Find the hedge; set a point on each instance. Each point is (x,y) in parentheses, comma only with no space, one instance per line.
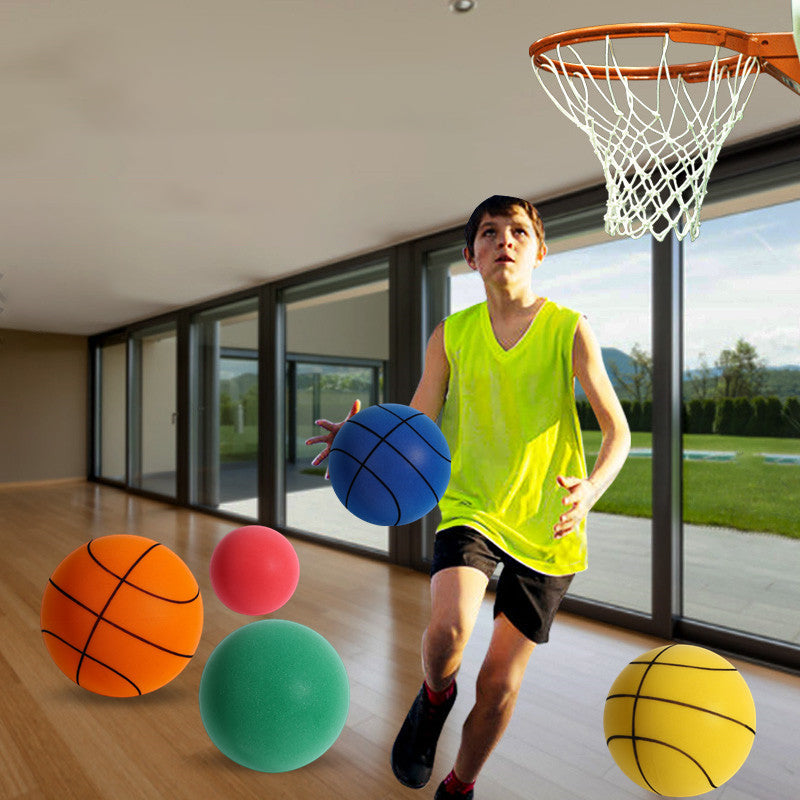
(731,416)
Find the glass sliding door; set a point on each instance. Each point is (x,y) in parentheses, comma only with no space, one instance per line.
(111,411)
(224,421)
(609,281)
(337,348)
(154,410)
(741,443)
(316,382)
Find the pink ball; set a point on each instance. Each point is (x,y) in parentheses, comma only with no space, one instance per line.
(254,570)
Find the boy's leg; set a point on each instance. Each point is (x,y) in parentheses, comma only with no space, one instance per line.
(525,605)
(456,596)
(497,689)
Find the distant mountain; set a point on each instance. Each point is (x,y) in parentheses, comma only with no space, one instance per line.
(690,374)
(616,358)
(612,358)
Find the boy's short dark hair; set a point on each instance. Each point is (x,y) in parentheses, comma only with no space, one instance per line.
(496,206)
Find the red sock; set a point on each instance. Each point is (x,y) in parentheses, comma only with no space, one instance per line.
(456,787)
(437,698)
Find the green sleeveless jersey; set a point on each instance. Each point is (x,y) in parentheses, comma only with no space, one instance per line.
(512,426)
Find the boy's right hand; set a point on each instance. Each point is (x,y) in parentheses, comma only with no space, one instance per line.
(332,428)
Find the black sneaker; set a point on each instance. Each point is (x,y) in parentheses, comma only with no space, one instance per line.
(415,746)
(441,794)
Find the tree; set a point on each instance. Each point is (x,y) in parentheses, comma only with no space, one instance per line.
(742,372)
(743,415)
(226,409)
(635,419)
(709,415)
(646,420)
(695,419)
(774,416)
(724,420)
(758,424)
(702,382)
(638,384)
(250,403)
(791,417)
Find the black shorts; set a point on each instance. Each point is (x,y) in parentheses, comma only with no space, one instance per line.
(529,599)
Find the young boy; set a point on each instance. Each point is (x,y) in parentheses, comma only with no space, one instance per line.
(502,375)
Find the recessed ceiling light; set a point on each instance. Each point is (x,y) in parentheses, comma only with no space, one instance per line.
(462,6)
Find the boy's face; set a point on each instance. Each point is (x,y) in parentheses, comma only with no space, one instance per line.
(506,248)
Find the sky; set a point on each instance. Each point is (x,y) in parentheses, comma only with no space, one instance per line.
(742,279)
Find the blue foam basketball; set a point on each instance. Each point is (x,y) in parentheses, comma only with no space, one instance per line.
(389,464)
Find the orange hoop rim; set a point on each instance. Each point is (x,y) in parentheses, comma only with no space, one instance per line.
(767,47)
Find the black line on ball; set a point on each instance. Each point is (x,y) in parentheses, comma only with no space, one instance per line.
(117,626)
(399,453)
(633,715)
(92,658)
(663,744)
(362,465)
(405,420)
(108,603)
(687,666)
(383,439)
(139,588)
(685,705)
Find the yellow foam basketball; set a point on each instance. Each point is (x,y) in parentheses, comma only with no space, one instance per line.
(679,720)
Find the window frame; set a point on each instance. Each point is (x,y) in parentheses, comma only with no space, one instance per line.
(765,163)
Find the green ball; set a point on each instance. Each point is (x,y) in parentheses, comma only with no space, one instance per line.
(274,695)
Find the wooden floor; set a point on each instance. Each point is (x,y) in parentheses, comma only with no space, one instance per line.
(60,741)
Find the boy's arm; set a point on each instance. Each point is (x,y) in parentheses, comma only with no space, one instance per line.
(589,369)
(432,387)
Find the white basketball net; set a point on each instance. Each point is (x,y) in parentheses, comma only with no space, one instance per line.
(656,161)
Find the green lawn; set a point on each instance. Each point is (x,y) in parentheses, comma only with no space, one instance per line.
(235,446)
(746,493)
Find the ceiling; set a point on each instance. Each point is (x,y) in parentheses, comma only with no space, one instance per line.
(158,153)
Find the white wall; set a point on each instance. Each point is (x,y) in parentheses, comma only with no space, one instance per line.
(351,327)
(43,406)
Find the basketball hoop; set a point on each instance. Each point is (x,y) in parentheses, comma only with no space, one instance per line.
(657,152)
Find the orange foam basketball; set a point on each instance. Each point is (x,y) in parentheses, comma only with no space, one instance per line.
(122,615)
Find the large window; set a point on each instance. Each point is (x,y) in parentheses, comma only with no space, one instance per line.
(337,346)
(741,443)
(608,281)
(111,410)
(317,382)
(154,410)
(224,422)
(697,537)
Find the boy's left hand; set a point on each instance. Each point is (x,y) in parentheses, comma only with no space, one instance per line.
(582,495)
